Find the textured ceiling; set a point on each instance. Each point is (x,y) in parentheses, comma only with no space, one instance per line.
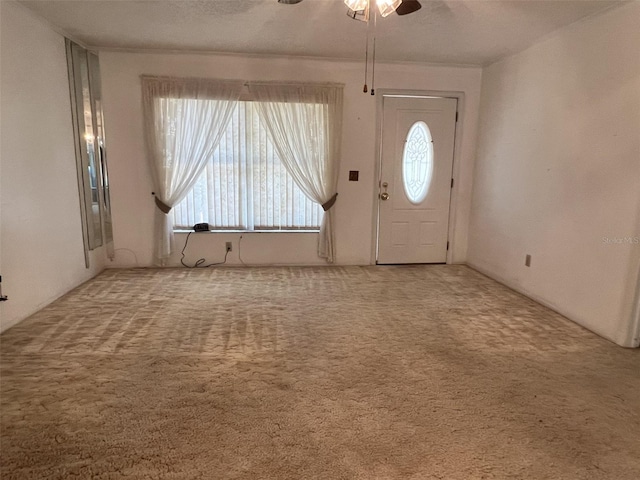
(472,32)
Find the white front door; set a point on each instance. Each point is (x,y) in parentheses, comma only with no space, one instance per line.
(415,179)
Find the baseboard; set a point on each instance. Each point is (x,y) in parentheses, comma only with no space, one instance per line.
(542,301)
(47,301)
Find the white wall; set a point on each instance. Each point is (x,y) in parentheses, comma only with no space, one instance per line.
(131,187)
(558,171)
(41,238)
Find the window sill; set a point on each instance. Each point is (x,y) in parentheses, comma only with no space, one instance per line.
(190,230)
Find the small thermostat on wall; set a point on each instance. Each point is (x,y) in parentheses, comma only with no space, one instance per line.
(353,175)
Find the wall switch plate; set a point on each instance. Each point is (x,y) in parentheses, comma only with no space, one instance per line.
(229,246)
(527,261)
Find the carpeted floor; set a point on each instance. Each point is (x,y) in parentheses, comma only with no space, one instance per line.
(414,372)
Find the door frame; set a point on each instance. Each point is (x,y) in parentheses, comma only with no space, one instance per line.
(634,327)
(457,148)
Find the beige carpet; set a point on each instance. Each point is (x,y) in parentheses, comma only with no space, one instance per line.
(313,373)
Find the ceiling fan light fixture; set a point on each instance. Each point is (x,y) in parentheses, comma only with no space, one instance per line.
(408,6)
(360,9)
(360,15)
(357,5)
(387,7)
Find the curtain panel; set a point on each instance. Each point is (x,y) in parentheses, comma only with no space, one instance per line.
(184,120)
(245,186)
(305,123)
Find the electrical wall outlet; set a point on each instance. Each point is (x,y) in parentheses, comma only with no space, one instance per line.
(527,261)
(229,246)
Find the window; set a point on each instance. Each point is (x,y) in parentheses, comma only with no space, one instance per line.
(244,185)
(417,162)
(185,121)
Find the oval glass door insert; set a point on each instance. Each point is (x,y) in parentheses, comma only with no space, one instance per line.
(417,162)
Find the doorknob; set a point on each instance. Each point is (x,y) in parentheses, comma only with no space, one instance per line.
(384,195)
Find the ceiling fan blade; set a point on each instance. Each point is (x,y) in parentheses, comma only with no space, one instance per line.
(408,6)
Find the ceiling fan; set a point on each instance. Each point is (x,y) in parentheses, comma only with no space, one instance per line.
(359,9)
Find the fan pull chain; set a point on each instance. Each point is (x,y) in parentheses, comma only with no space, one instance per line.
(373,60)
(366,60)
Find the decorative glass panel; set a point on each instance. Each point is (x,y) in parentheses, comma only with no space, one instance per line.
(417,162)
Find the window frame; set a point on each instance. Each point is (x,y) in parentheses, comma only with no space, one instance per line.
(246,96)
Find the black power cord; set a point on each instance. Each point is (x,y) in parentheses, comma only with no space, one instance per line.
(240,251)
(200,261)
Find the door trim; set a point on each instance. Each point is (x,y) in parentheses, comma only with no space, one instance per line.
(453,199)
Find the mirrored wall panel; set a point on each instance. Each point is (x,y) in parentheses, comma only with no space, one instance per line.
(101,149)
(88,124)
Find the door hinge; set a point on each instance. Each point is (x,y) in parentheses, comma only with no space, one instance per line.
(447,245)
(456,116)
(452,183)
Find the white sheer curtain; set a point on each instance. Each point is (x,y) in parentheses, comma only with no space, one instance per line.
(184,121)
(245,186)
(305,123)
